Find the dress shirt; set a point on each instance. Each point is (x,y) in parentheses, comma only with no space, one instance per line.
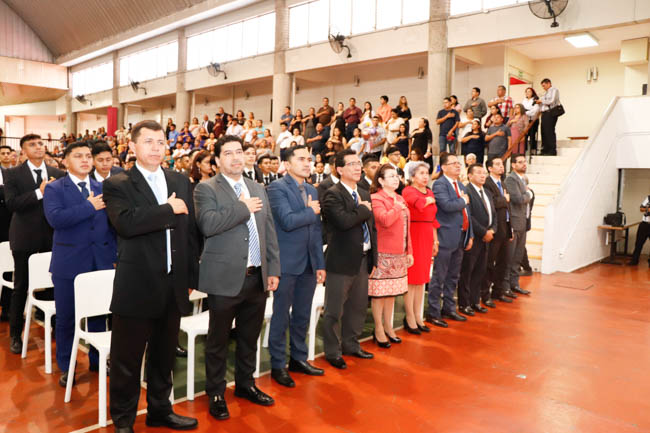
(161,186)
(646,215)
(250,172)
(319,177)
(76,181)
(481,191)
(245,194)
(451,181)
(32,167)
(551,99)
(99,177)
(531,107)
(528,192)
(1,179)
(284,139)
(366,245)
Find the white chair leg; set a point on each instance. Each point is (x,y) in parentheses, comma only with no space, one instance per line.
(190,365)
(267,328)
(48,343)
(171,394)
(102,388)
(71,368)
(424,298)
(313,321)
(257,356)
(28,322)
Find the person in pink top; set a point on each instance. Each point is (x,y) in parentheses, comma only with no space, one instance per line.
(384,109)
(395,253)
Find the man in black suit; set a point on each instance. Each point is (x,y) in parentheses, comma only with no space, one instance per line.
(207,124)
(498,249)
(484,224)
(327,183)
(157,262)
(29,231)
(394,156)
(350,257)
(319,174)
(103,162)
(251,170)
(5,219)
(223,116)
(370,166)
(264,163)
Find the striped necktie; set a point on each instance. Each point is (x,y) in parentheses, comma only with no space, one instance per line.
(253,239)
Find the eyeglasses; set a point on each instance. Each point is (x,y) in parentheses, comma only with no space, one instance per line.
(354,164)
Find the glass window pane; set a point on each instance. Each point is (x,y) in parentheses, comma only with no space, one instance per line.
(489,4)
(234,41)
(458,7)
(388,13)
(415,11)
(249,39)
(192,53)
(340,17)
(124,71)
(219,48)
(161,61)
(172,57)
(363,13)
(298,25)
(318,21)
(266,35)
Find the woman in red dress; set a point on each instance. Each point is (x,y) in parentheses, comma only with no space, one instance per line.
(424,235)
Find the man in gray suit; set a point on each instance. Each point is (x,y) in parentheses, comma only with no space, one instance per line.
(520,197)
(239,264)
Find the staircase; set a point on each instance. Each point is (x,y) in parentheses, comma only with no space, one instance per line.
(545,175)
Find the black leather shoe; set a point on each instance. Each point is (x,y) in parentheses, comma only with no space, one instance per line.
(503,298)
(525,272)
(281,376)
(305,368)
(360,353)
(489,303)
(63,380)
(424,328)
(454,316)
(254,395)
(172,421)
(16,346)
(180,352)
(123,429)
(382,344)
(4,318)
(479,309)
(437,322)
(395,340)
(415,331)
(510,294)
(632,263)
(466,311)
(521,291)
(219,408)
(337,362)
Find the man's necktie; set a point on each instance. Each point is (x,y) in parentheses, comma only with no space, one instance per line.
(501,191)
(465,219)
(487,206)
(84,190)
(253,240)
(153,184)
(39,178)
(303,194)
(366,234)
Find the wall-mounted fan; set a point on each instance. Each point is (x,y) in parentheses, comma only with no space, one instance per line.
(135,85)
(214,69)
(337,42)
(548,9)
(82,99)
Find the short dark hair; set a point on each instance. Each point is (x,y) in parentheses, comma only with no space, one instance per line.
(274,158)
(72,146)
(247,146)
(353,99)
(384,97)
(100,146)
(447,98)
(380,174)
(149,124)
(392,149)
(292,150)
(262,158)
(490,162)
(444,157)
(517,155)
(5,147)
(473,167)
(501,86)
(478,90)
(226,139)
(331,160)
(368,158)
(28,137)
(133,159)
(546,80)
(340,159)
(319,162)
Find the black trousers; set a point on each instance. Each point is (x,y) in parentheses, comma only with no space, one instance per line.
(471,287)
(642,234)
(531,137)
(247,309)
(497,265)
(549,141)
(128,340)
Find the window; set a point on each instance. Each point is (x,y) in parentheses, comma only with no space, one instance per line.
(94,79)
(459,7)
(149,64)
(313,21)
(237,40)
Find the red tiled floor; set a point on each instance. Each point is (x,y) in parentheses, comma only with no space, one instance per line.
(562,360)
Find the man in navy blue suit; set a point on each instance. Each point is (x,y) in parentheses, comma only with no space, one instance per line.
(83,242)
(103,162)
(296,212)
(455,235)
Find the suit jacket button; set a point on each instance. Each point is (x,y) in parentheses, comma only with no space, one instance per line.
(245,239)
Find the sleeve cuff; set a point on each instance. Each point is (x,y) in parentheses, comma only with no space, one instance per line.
(39,194)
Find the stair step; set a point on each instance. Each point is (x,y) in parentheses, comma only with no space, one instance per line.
(535,236)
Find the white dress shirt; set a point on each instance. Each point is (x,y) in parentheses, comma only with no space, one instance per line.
(284,139)
(245,194)
(366,245)
(32,167)
(487,202)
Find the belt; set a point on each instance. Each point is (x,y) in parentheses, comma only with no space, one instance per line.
(252,270)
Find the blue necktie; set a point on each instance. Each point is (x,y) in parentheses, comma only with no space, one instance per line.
(501,191)
(253,240)
(84,190)
(366,235)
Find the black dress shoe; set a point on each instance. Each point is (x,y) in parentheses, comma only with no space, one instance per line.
(632,263)
(454,316)
(219,408)
(479,309)
(467,311)
(525,272)
(521,291)
(415,331)
(281,376)
(123,429)
(503,298)
(489,303)
(382,344)
(510,294)
(424,328)
(172,421)
(63,380)
(254,395)
(337,362)
(4,318)
(437,322)
(180,352)
(360,353)
(16,345)
(305,368)
(395,340)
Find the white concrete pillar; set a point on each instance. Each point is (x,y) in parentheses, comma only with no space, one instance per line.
(182,95)
(282,82)
(438,62)
(115,95)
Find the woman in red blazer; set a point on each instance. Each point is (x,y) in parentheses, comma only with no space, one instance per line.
(395,253)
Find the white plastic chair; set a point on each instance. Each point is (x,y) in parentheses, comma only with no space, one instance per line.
(40,278)
(92,297)
(317,308)
(193,326)
(6,265)
(196,298)
(268,313)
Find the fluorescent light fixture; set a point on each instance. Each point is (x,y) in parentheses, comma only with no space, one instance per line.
(581,40)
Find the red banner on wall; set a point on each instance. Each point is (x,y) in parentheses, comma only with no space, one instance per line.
(111,121)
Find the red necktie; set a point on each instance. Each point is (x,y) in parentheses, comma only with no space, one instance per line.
(465,220)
